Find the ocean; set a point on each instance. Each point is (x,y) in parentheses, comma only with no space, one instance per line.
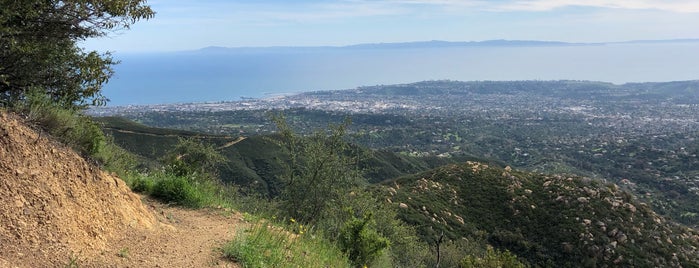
(217,74)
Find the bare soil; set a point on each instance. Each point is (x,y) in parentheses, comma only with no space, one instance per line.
(58,209)
(186,238)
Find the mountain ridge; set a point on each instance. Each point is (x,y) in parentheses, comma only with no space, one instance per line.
(549,220)
(445,44)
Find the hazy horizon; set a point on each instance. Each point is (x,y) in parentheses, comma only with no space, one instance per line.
(201,76)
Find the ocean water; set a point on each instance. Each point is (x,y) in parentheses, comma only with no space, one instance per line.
(229,74)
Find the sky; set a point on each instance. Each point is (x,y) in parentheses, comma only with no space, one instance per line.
(193,24)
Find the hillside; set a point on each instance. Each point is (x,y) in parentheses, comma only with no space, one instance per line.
(642,136)
(254,161)
(549,220)
(57,209)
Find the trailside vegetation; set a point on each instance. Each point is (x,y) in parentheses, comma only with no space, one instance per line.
(39,47)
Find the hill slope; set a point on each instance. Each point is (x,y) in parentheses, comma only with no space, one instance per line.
(255,161)
(58,210)
(53,204)
(548,220)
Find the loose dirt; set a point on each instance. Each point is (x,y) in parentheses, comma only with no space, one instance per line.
(56,209)
(187,238)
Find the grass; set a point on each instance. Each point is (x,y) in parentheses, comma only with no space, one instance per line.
(266,245)
(182,190)
(123,253)
(72,262)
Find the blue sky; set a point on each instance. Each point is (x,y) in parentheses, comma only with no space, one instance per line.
(193,24)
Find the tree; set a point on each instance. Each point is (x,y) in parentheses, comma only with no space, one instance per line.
(39,47)
(320,173)
(191,157)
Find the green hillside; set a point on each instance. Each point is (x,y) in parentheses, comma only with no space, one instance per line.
(549,220)
(546,220)
(149,142)
(255,162)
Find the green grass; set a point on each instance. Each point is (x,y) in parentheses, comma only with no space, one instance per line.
(184,191)
(265,245)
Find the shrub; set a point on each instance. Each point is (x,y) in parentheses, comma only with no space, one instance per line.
(178,190)
(361,242)
(116,159)
(492,258)
(319,172)
(142,184)
(193,158)
(184,191)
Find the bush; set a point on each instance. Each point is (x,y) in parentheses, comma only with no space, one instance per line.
(193,158)
(142,184)
(116,159)
(361,242)
(184,191)
(493,258)
(178,190)
(319,173)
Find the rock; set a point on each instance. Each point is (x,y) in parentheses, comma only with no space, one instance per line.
(459,219)
(621,237)
(619,259)
(613,232)
(402,205)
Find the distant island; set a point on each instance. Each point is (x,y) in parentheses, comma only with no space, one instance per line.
(443,44)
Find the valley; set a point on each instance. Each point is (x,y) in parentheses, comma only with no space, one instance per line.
(642,136)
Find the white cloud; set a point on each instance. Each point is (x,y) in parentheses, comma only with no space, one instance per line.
(680,6)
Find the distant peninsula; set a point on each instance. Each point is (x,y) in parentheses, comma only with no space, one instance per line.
(444,44)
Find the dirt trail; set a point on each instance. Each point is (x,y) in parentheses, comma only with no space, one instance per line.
(57,208)
(187,238)
(229,144)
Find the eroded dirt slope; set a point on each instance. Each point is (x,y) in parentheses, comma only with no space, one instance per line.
(55,206)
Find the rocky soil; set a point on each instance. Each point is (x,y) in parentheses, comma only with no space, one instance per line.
(58,209)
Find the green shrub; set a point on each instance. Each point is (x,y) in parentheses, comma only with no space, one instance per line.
(319,171)
(361,242)
(184,191)
(492,259)
(191,157)
(142,184)
(116,159)
(175,189)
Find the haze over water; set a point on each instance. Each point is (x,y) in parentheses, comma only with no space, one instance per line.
(229,74)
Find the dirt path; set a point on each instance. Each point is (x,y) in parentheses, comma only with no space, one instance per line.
(185,238)
(229,144)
